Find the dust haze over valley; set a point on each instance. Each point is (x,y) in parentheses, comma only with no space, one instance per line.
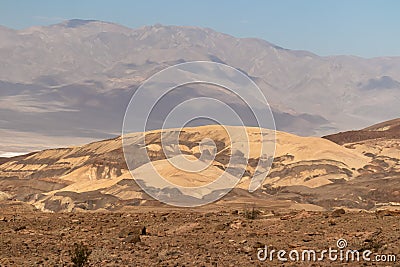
(73,80)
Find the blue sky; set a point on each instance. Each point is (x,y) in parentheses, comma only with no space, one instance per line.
(331,27)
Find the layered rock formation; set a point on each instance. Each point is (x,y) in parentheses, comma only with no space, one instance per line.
(306,170)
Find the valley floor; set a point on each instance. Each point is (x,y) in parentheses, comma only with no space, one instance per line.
(208,236)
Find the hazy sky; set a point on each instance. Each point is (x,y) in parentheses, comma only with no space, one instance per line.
(358,27)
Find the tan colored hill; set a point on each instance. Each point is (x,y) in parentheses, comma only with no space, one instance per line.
(308,170)
(380,142)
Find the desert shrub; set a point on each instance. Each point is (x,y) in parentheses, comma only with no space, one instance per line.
(252,213)
(80,255)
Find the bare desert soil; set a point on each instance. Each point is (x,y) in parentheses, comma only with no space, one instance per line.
(207,236)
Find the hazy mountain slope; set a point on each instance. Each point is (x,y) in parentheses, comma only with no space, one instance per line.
(36,117)
(66,76)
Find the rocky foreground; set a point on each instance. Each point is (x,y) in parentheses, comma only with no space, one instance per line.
(208,236)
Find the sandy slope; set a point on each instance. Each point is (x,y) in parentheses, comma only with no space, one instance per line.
(100,166)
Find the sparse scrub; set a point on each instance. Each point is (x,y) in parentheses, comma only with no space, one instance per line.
(252,213)
(80,255)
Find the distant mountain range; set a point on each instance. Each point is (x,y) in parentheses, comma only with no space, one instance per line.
(70,82)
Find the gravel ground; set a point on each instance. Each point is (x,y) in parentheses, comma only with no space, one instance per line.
(204,237)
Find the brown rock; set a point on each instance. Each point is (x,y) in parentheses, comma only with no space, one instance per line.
(332,222)
(135,230)
(19,228)
(132,239)
(338,213)
(247,249)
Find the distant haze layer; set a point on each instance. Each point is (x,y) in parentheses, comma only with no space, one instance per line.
(71,82)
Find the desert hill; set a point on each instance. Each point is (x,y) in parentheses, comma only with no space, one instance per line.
(386,130)
(309,171)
